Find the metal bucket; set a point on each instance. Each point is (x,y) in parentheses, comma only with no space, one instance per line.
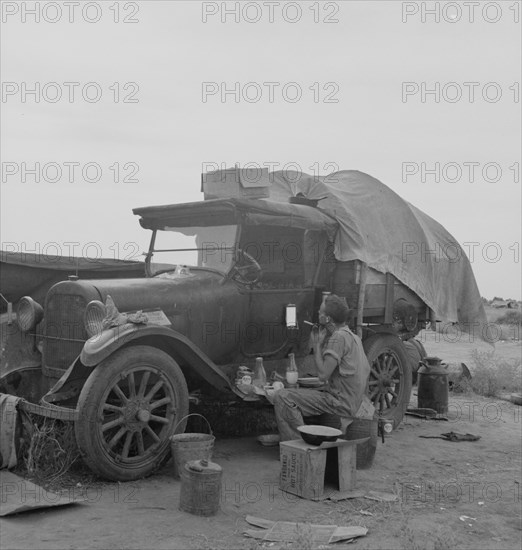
(358,429)
(190,446)
(200,487)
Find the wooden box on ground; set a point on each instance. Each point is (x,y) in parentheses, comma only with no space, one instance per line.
(305,468)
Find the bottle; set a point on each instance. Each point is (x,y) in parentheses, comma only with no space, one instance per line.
(259,373)
(292,374)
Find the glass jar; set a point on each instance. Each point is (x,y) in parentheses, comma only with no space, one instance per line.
(292,375)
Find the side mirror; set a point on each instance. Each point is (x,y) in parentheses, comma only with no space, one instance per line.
(291,316)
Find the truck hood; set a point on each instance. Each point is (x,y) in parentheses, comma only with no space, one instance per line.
(168,292)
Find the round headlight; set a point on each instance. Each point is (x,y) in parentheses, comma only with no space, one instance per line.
(28,314)
(93,317)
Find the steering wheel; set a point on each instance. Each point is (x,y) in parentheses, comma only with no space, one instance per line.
(250,272)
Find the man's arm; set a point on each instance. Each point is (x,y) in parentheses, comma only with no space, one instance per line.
(325,366)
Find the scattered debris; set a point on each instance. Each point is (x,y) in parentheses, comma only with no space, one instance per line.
(380,496)
(344,495)
(113,318)
(466,518)
(453,436)
(516,398)
(421,413)
(286,531)
(458,374)
(428,414)
(20,495)
(358,493)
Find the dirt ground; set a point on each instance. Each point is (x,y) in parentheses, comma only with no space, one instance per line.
(449,495)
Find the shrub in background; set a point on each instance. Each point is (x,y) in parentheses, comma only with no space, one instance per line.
(511,317)
(494,375)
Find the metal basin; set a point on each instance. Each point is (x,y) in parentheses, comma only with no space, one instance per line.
(315,435)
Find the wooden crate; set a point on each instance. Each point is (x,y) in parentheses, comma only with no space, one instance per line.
(304,468)
(236,183)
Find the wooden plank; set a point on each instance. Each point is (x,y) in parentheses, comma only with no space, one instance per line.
(313,480)
(390,298)
(302,445)
(50,411)
(360,300)
(347,467)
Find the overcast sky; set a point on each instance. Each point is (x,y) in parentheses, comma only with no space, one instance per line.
(361,69)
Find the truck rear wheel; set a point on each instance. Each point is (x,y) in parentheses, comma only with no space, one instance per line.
(390,376)
(129,407)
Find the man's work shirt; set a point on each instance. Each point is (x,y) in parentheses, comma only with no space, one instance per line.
(349,379)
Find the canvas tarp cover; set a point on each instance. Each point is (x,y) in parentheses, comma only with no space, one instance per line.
(380,228)
(24,273)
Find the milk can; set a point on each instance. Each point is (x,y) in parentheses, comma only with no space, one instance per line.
(433,389)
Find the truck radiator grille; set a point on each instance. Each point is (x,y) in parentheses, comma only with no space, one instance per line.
(64,330)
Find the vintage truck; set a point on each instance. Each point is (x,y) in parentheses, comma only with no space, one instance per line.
(120,357)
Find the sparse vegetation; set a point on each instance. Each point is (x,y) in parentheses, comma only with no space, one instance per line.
(508,324)
(494,375)
(511,317)
(413,539)
(48,450)
(303,539)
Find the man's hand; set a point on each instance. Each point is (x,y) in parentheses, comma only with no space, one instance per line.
(315,337)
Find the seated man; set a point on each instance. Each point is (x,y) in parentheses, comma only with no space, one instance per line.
(341,364)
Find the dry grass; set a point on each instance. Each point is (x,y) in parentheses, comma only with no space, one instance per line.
(512,317)
(508,322)
(494,375)
(302,541)
(442,539)
(413,539)
(496,330)
(503,325)
(48,450)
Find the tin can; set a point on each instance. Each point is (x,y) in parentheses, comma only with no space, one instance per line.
(200,488)
(244,380)
(243,376)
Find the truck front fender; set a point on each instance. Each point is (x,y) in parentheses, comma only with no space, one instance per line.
(99,347)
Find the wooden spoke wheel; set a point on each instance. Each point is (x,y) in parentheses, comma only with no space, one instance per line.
(389,387)
(129,407)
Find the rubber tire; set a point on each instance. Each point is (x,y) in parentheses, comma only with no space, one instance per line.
(374,346)
(103,376)
(416,352)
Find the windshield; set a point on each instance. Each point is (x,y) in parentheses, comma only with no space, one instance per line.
(206,247)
